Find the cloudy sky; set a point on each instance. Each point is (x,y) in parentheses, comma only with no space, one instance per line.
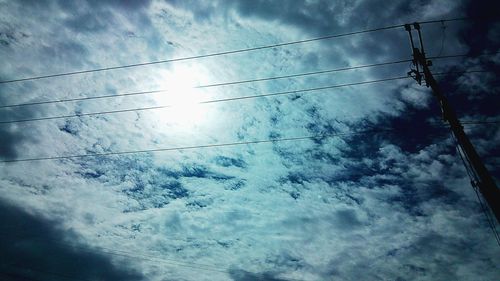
(383,196)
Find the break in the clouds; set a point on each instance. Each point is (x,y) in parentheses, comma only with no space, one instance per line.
(378,205)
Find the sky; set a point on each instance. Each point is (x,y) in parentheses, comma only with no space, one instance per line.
(378,193)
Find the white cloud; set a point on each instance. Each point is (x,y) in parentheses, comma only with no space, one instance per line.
(312,210)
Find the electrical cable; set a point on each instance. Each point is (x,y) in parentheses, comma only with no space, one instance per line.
(233,82)
(443,37)
(211,55)
(463,55)
(171,261)
(198,266)
(211,85)
(181,148)
(135,255)
(307,90)
(303,91)
(225,52)
(489,217)
(474,180)
(467,122)
(114,251)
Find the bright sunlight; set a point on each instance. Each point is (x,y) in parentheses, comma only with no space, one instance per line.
(183,97)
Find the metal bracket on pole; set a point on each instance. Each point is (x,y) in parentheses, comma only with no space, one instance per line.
(414,73)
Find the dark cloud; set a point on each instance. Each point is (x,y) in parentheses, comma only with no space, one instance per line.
(319,18)
(225,161)
(433,256)
(70,127)
(486,15)
(322,17)
(236,184)
(288,261)
(13,135)
(152,186)
(346,220)
(243,275)
(9,37)
(10,137)
(33,248)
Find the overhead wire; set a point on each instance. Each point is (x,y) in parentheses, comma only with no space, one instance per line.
(181,148)
(145,257)
(302,91)
(121,253)
(194,265)
(466,122)
(233,82)
(212,101)
(215,145)
(307,90)
(211,85)
(162,260)
(225,52)
(477,122)
(443,37)
(489,217)
(126,254)
(474,180)
(463,55)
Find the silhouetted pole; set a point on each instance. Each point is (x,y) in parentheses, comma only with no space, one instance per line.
(484,181)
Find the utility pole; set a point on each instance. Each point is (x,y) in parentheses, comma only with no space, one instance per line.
(480,177)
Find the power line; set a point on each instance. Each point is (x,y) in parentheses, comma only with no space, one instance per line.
(463,55)
(474,122)
(212,85)
(233,82)
(443,38)
(180,263)
(134,255)
(307,90)
(466,122)
(205,102)
(181,148)
(228,144)
(474,179)
(225,52)
(464,72)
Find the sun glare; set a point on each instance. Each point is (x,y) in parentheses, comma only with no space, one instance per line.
(183,97)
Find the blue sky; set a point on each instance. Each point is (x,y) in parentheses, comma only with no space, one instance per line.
(392,205)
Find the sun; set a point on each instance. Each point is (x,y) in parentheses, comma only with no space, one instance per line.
(182,96)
